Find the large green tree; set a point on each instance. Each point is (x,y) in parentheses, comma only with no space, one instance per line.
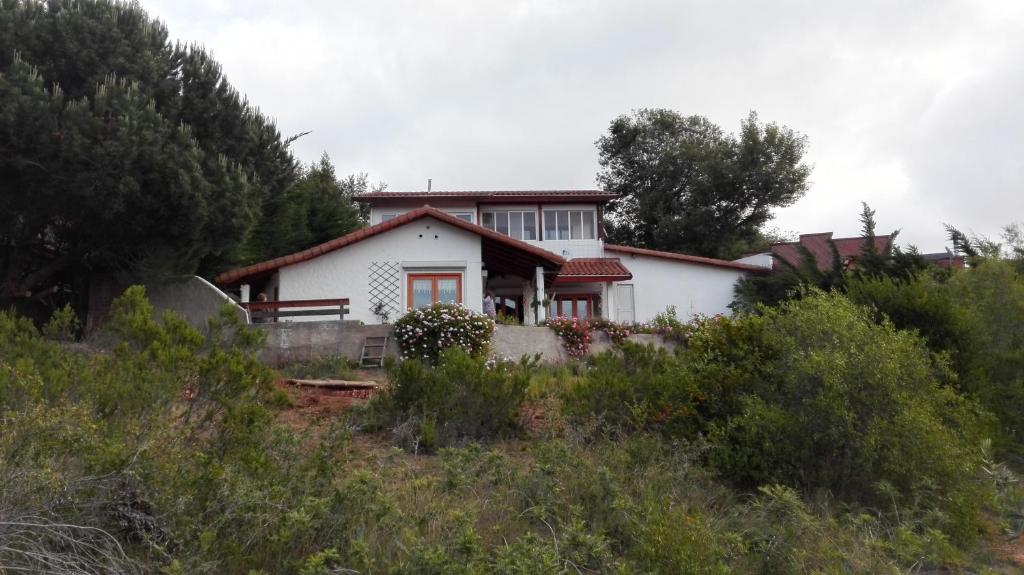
(317,208)
(120,150)
(686,185)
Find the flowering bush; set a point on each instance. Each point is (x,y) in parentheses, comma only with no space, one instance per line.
(616,332)
(425,332)
(575,334)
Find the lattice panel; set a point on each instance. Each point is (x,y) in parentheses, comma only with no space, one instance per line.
(385,281)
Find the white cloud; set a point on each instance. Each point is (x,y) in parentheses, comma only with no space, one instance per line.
(909,106)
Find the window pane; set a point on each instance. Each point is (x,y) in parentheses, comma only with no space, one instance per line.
(566,307)
(553,309)
(563,225)
(529,225)
(576,221)
(386,217)
(515,225)
(488,218)
(588,225)
(501,222)
(549,226)
(447,290)
(583,309)
(421,292)
(466,217)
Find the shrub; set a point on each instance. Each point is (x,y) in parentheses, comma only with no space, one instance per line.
(502,319)
(616,332)
(575,335)
(461,397)
(641,387)
(816,394)
(668,325)
(423,333)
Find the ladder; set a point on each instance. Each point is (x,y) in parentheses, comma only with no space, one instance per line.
(373,351)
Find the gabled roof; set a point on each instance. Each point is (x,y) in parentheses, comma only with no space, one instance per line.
(684,258)
(593,270)
(263,269)
(494,196)
(820,248)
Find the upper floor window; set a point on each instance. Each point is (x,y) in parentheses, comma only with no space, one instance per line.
(386,217)
(466,216)
(569,225)
(521,225)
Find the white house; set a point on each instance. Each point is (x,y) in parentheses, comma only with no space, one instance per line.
(525,247)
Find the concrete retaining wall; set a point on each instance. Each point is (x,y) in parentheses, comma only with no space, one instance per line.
(290,342)
(194,299)
(299,341)
(515,341)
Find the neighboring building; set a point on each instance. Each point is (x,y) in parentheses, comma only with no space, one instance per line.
(946,260)
(820,246)
(523,246)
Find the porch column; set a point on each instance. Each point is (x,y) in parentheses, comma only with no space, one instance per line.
(542,310)
(608,310)
(244,289)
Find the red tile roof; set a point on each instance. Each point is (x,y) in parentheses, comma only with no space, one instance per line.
(593,269)
(820,248)
(265,268)
(684,258)
(495,195)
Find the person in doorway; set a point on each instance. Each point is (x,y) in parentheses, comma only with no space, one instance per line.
(489,304)
(262,297)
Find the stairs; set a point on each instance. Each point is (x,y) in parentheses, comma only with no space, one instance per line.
(373,352)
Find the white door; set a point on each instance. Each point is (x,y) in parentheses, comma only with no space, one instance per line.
(624,304)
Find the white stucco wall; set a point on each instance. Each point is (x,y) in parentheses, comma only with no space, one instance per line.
(762,260)
(449,207)
(692,288)
(423,246)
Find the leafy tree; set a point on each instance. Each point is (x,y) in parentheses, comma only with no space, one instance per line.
(120,150)
(317,208)
(686,185)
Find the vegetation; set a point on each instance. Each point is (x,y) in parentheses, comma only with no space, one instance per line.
(123,150)
(426,332)
(815,437)
(686,185)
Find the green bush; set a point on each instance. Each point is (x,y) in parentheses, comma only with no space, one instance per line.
(638,387)
(816,394)
(425,332)
(976,317)
(460,397)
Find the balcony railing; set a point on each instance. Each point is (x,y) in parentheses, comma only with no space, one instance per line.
(262,311)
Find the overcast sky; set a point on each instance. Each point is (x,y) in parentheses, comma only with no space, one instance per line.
(913,107)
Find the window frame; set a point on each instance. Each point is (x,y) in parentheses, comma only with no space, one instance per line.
(575,298)
(524,215)
(472,217)
(434,277)
(568,214)
(385,216)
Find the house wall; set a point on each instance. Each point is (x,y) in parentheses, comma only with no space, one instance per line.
(762,260)
(692,288)
(376,211)
(425,245)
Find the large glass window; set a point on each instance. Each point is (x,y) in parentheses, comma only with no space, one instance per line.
(427,289)
(569,224)
(519,224)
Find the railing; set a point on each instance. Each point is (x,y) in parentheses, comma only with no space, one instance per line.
(261,311)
